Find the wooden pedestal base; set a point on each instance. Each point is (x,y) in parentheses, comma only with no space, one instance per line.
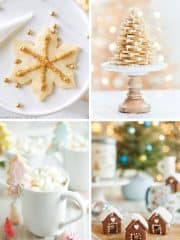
(134,102)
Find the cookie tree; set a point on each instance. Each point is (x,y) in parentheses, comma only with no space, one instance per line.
(134,46)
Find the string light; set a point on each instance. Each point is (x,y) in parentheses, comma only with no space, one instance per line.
(165,149)
(112,29)
(97,127)
(112,47)
(156,14)
(159,177)
(105,81)
(161,137)
(110,130)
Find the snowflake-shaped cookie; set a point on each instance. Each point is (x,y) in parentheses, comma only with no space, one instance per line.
(46,64)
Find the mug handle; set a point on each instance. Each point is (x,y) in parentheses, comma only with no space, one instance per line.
(147,198)
(74,197)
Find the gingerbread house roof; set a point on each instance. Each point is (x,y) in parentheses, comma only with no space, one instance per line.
(176,176)
(140,218)
(109,211)
(163,213)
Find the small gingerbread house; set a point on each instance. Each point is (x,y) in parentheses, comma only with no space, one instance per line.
(137,228)
(111,221)
(174,182)
(159,221)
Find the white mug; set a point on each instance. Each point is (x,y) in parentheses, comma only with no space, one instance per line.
(77,165)
(167,166)
(44,213)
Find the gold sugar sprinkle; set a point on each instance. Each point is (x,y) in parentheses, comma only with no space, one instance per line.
(19,105)
(7,80)
(18,85)
(72,66)
(53,30)
(30,32)
(53,14)
(18,61)
(55,26)
(58,42)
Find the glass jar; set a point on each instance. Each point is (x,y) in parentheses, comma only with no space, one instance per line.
(103,157)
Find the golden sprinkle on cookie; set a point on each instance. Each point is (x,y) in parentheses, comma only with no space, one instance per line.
(7,80)
(72,66)
(19,105)
(53,14)
(18,61)
(30,32)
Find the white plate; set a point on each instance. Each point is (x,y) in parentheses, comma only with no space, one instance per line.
(133,70)
(73,29)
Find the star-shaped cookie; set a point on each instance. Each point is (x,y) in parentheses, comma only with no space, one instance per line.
(45,64)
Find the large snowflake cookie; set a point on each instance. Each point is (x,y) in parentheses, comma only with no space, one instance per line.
(46,64)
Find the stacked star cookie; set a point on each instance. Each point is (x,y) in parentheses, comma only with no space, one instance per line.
(133,44)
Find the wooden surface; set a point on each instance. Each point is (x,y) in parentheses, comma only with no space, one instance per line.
(173,234)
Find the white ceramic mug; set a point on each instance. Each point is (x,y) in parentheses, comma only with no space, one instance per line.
(44,212)
(76,163)
(167,166)
(160,195)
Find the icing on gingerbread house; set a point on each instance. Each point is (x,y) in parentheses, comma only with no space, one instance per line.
(137,228)
(159,221)
(174,182)
(111,221)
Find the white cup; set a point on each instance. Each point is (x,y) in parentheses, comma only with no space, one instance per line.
(76,163)
(44,213)
(167,166)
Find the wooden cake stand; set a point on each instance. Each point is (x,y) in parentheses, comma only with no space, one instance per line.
(134,103)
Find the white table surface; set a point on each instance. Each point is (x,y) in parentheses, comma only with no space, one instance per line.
(81,227)
(165,105)
(78,110)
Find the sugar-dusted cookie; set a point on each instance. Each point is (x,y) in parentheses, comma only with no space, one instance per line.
(45,64)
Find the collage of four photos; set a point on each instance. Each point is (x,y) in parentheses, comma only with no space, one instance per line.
(89,120)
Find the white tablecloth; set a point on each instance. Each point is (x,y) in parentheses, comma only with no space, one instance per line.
(165,104)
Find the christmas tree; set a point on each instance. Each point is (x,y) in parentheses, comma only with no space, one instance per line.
(133,44)
(140,146)
(8,229)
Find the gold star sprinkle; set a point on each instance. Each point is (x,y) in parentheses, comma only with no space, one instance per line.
(53,14)
(18,85)
(7,80)
(19,105)
(30,32)
(18,61)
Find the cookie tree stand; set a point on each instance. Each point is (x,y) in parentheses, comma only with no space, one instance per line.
(134,103)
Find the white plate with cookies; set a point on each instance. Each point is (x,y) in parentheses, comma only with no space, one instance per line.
(45,63)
